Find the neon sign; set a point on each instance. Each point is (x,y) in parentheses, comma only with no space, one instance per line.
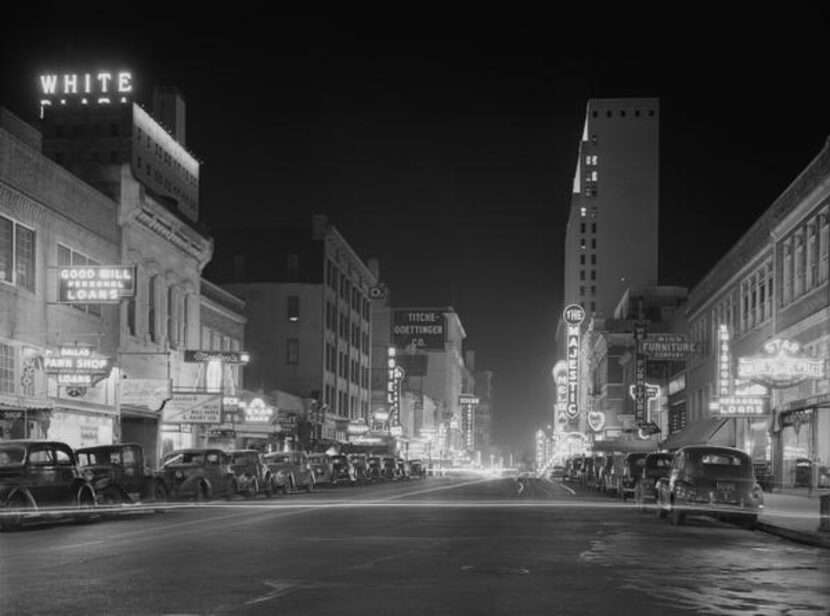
(596,420)
(77,366)
(95,284)
(782,363)
(725,384)
(100,87)
(258,412)
(743,406)
(573,315)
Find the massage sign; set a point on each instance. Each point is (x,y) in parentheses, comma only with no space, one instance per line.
(77,366)
(86,284)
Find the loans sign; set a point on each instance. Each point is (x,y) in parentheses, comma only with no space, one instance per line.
(101,284)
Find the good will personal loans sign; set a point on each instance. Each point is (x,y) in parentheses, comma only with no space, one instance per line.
(87,284)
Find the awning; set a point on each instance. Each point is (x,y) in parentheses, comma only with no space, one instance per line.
(700,432)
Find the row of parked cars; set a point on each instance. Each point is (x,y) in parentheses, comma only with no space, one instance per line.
(50,478)
(696,480)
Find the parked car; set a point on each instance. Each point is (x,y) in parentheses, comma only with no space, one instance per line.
(374,468)
(198,474)
(389,468)
(322,468)
(291,470)
(36,475)
(573,468)
(655,466)
(417,469)
(252,474)
(605,472)
(612,477)
(632,468)
(119,474)
(401,468)
(342,470)
(360,464)
(710,480)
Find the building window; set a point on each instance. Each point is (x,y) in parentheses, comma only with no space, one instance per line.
(582,274)
(593,243)
(171,317)
(593,227)
(595,113)
(593,306)
(823,244)
(292,348)
(293,308)
(582,259)
(593,274)
(594,176)
(788,272)
(582,243)
(593,259)
(151,308)
(583,212)
(131,316)
(582,227)
(185,320)
(17,254)
(594,140)
(7,366)
(593,290)
(608,114)
(651,113)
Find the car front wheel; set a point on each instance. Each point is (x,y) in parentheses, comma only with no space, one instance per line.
(11,517)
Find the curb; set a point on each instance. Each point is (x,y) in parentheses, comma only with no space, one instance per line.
(813,539)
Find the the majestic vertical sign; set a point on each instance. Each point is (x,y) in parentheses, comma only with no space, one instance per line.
(560,379)
(573,316)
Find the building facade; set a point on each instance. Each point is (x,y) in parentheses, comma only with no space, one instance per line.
(309,321)
(612,233)
(49,218)
(766,304)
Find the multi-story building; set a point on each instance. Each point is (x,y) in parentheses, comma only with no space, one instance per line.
(766,304)
(612,233)
(309,321)
(50,218)
(93,128)
(608,364)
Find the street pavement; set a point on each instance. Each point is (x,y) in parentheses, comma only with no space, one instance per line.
(455,545)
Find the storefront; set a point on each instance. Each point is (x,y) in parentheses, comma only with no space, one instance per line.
(801,443)
(24,421)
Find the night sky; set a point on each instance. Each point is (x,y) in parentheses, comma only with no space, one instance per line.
(447,150)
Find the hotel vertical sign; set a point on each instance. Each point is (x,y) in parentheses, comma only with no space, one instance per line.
(725,380)
(573,316)
(640,400)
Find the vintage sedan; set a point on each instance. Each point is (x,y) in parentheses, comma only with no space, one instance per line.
(252,473)
(374,468)
(291,470)
(118,473)
(655,466)
(41,478)
(198,474)
(417,469)
(709,480)
(632,469)
(343,471)
(322,468)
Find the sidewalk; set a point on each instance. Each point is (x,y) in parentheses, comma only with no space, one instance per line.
(794,514)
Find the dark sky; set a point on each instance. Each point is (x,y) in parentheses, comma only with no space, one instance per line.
(447,149)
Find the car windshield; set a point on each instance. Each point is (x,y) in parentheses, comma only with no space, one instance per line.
(11,455)
(184,457)
(719,464)
(243,458)
(658,462)
(277,457)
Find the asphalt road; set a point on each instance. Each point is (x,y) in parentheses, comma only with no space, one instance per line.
(439,546)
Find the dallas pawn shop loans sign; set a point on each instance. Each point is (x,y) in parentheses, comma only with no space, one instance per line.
(87,284)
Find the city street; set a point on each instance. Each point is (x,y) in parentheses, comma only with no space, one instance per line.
(460,545)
